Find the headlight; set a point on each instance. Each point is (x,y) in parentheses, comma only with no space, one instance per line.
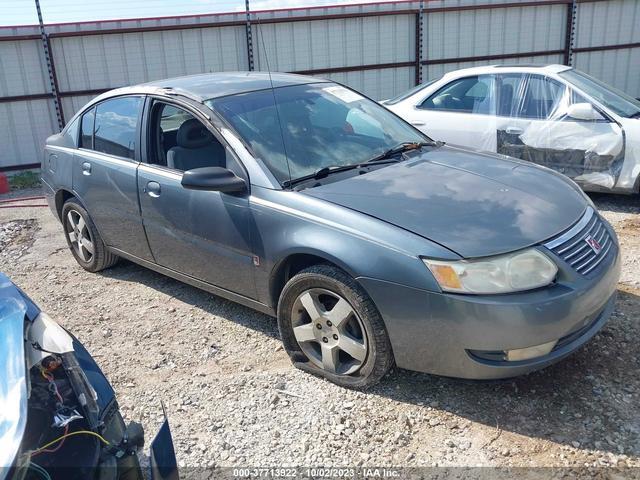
(513,272)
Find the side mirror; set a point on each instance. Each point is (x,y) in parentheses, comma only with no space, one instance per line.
(583,111)
(215,179)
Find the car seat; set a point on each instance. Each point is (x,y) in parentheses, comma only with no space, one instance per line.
(196,147)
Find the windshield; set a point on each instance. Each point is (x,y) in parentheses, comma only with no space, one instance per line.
(408,93)
(619,102)
(323,125)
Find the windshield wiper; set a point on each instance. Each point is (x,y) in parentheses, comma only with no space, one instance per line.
(383,158)
(635,115)
(326,171)
(400,148)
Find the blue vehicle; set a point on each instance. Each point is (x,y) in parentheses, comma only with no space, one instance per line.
(371,243)
(60,418)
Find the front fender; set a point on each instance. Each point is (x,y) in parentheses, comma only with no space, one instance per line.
(286,223)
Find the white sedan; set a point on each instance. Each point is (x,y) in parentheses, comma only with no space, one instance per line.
(552,115)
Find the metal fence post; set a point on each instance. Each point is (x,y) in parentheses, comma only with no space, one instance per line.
(249,37)
(46,47)
(571,32)
(419,40)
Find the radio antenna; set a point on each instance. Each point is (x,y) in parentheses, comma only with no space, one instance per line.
(273,92)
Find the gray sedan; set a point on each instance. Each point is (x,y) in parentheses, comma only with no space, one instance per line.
(372,244)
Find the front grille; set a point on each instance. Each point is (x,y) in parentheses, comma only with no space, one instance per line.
(574,248)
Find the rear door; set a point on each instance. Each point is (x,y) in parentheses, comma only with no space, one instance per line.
(462,112)
(105,172)
(202,234)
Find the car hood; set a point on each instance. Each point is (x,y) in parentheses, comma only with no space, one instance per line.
(13,384)
(473,203)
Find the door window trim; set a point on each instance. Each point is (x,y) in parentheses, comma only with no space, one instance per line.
(151,100)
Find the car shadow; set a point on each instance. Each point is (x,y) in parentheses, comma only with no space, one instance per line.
(615,202)
(207,302)
(590,398)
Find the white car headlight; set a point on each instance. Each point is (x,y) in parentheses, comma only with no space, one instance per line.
(513,272)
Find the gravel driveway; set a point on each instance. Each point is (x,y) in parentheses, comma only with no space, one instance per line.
(234,399)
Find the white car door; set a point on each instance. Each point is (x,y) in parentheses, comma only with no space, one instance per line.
(546,122)
(462,112)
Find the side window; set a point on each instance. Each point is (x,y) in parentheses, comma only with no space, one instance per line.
(540,97)
(116,126)
(181,142)
(364,124)
(86,133)
(508,89)
(322,113)
(465,95)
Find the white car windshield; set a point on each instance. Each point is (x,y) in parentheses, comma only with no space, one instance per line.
(314,126)
(408,93)
(619,102)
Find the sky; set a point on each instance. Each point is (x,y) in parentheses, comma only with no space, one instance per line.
(23,12)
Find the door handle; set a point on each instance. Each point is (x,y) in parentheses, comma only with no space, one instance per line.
(514,130)
(153,189)
(418,123)
(86,168)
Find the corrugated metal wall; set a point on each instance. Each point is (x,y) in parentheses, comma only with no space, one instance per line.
(601,24)
(380,49)
(104,61)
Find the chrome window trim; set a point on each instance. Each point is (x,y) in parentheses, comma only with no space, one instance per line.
(573,231)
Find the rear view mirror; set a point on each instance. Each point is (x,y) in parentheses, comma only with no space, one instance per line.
(583,111)
(215,179)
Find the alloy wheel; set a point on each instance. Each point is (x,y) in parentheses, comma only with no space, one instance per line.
(79,236)
(329,331)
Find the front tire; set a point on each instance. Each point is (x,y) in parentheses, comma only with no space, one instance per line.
(330,327)
(83,238)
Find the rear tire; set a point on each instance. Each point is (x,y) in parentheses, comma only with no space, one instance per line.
(330,327)
(83,238)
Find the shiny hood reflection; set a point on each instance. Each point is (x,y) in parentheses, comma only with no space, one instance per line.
(472,203)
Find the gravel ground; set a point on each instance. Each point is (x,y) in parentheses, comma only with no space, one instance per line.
(234,399)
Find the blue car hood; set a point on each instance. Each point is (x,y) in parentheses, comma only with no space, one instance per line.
(473,203)
(13,380)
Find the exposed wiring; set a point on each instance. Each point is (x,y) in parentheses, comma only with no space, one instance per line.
(41,471)
(51,381)
(67,435)
(53,450)
(45,373)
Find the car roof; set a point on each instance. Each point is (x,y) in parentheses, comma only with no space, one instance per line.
(206,86)
(530,68)
(220,84)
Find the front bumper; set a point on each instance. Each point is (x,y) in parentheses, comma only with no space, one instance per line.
(438,332)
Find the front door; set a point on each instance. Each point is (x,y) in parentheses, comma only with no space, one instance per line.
(104,172)
(546,122)
(202,234)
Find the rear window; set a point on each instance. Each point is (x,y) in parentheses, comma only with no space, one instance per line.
(71,132)
(86,135)
(116,126)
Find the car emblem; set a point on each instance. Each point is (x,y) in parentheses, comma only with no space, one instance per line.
(594,244)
